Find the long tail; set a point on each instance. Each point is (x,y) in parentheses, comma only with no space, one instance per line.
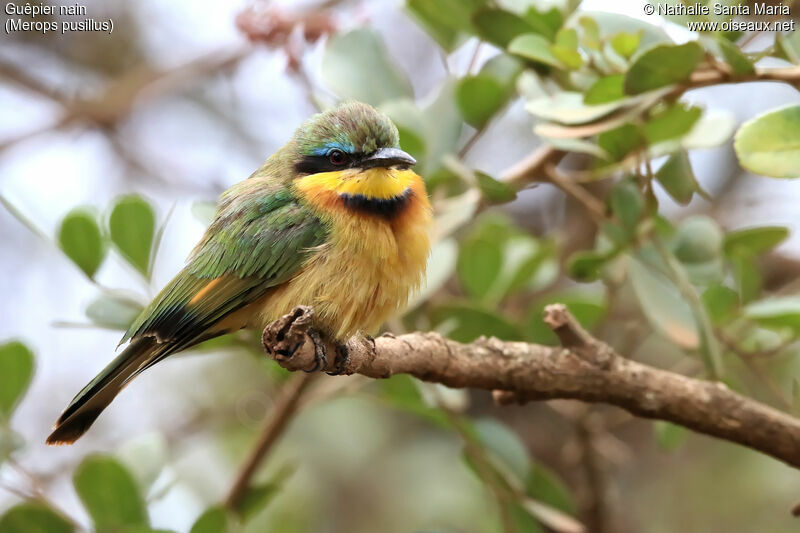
(84,409)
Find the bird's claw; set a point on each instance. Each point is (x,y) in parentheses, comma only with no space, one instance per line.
(287,354)
(342,358)
(320,357)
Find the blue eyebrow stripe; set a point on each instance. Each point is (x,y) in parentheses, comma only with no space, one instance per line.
(323,150)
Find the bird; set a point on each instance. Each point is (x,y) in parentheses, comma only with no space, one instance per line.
(336,219)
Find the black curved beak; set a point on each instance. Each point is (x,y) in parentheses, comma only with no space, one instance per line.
(387,157)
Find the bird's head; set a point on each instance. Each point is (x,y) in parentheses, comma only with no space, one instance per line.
(352,153)
(350,136)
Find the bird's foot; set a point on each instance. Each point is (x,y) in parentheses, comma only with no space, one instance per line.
(342,358)
(320,352)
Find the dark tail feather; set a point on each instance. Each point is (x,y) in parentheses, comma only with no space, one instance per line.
(84,409)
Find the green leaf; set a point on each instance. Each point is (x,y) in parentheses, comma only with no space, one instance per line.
(664,307)
(590,37)
(16,371)
(565,48)
(611,24)
(670,123)
(626,44)
(479,98)
(496,192)
(505,445)
(747,276)
(534,47)
(479,263)
(621,141)
(754,241)
(546,23)
(357,66)
(546,486)
(256,499)
(109,493)
(114,311)
(499,27)
(33,518)
(443,20)
(80,238)
(586,265)
(606,89)
(505,69)
(770,143)
(721,303)
(213,520)
(677,178)
(697,240)
(569,108)
(714,128)
(569,57)
(735,58)
(775,312)
(464,323)
(662,65)
(669,436)
(132,227)
(627,204)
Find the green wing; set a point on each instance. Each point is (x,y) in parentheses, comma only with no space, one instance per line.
(256,241)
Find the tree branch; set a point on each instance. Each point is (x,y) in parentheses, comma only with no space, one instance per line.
(285,407)
(583,369)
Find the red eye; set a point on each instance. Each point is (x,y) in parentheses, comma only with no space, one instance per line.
(337,157)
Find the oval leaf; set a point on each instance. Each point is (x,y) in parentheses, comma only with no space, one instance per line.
(664,307)
(33,518)
(479,263)
(605,90)
(770,143)
(754,241)
(16,370)
(80,238)
(499,27)
(496,192)
(677,178)
(776,312)
(479,98)
(213,520)
(662,65)
(534,47)
(356,65)
(132,227)
(109,493)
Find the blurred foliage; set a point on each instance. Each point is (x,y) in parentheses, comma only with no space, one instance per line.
(601,86)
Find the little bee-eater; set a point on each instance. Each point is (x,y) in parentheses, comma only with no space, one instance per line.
(335,219)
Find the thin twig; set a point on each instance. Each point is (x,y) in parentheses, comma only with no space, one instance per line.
(285,408)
